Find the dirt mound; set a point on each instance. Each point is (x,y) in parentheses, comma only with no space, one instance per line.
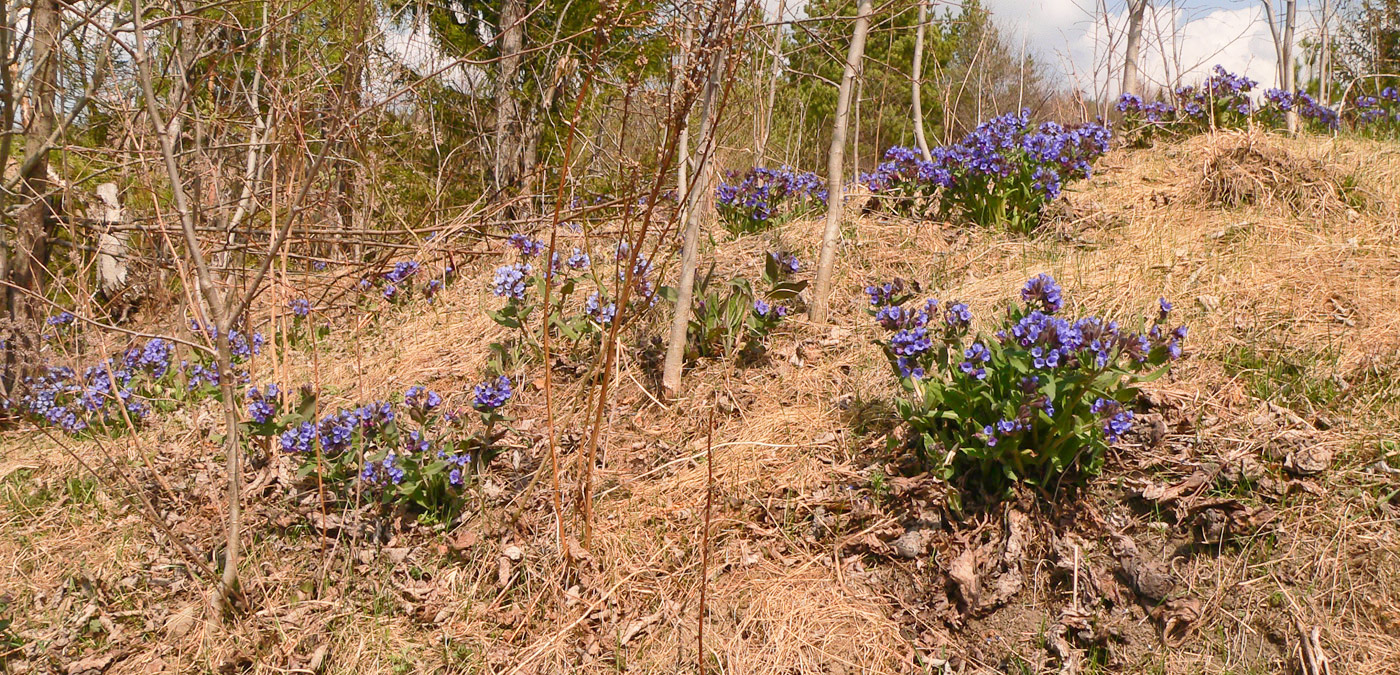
(1243,169)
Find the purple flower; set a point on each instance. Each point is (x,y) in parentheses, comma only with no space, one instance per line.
(492,394)
(299,438)
(511,281)
(262,405)
(1042,289)
(595,309)
(300,307)
(958,315)
(527,246)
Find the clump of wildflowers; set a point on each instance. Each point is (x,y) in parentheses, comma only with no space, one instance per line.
(762,198)
(263,404)
(528,247)
(1003,173)
(1041,395)
(491,394)
(511,281)
(730,317)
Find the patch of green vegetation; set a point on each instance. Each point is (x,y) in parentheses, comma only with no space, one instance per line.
(1293,377)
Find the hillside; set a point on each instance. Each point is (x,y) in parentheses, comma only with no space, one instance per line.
(1259,483)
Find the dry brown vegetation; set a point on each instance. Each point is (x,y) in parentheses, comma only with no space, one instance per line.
(1260,489)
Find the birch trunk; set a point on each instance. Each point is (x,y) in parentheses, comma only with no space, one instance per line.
(835,159)
(111,244)
(916,77)
(680,322)
(1133,48)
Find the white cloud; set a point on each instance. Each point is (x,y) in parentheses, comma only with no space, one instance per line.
(1181,40)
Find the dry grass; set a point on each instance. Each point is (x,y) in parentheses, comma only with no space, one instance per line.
(1280,286)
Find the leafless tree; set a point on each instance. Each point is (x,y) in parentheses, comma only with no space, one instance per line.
(1132,46)
(916,77)
(1283,49)
(835,157)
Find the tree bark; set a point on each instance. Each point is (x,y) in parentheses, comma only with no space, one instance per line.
(27,257)
(835,158)
(1289,83)
(111,244)
(680,322)
(773,76)
(510,39)
(916,78)
(1133,46)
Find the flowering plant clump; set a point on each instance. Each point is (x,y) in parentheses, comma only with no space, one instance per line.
(732,317)
(1375,115)
(1314,115)
(762,198)
(1003,173)
(1144,121)
(580,304)
(201,375)
(400,284)
(414,453)
(1221,102)
(1040,396)
(106,396)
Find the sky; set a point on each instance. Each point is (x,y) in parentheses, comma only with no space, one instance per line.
(1182,40)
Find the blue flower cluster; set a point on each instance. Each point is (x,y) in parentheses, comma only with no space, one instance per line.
(421,399)
(1371,113)
(767,310)
(510,280)
(59,397)
(242,346)
(336,432)
(1117,419)
(599,311)
(62,319)
(1155,111)
(1043,291)
(384,471)
(1005,170)
(752,201)
(578,260)
(263,404)
(1001,387)
(301,307)
(528,247)
(492,394)
(1279,101)
(403,271)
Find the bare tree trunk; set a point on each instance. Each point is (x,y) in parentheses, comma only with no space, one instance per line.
(1289,74)
(680,322)
(111,244)
(773,76)
(1132,48)
(510,38)
(1324,78)
(916,79)
(27,258)
(350,180)
(835,157)
(1283,51)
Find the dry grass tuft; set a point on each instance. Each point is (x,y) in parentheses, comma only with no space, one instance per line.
(1252,169)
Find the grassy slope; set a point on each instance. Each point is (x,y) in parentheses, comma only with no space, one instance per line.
(1291,304)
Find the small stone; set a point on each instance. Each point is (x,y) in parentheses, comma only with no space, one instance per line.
(514,553)
(1208,303)
(912,544)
